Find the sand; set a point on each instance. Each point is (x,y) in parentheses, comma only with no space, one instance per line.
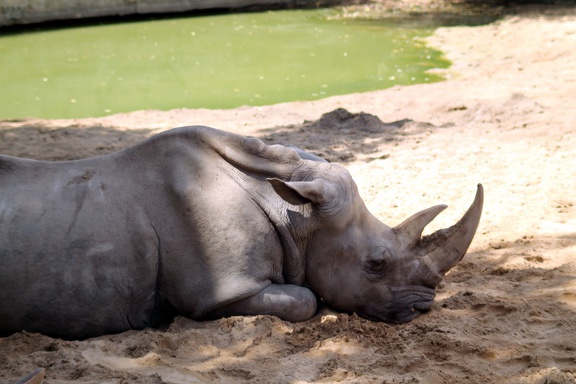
(506,117)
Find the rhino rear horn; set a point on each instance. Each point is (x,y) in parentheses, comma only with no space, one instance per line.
(449,245)
(410,231)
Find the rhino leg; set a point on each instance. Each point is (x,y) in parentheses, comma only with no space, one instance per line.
(288,302)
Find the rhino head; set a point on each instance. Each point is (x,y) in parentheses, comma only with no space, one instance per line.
(356,263)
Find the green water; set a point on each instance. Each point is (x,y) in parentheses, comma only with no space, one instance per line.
(218,61)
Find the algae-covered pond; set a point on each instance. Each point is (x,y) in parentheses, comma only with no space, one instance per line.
(211,61)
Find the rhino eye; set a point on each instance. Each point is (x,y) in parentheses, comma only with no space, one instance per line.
(375,265)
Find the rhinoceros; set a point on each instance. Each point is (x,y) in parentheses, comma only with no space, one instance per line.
(204,223)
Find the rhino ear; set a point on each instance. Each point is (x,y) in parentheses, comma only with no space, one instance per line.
(299,192)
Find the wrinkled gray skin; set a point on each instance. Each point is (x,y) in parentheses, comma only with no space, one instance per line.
(207,224)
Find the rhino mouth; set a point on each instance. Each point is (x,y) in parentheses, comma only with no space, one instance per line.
(402,308)
(403,316)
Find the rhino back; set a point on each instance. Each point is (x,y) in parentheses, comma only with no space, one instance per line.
(75,243)
(112,243)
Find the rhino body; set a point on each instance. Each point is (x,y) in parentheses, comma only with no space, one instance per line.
(206,224)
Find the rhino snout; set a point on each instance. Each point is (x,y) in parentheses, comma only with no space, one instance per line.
(410,313)
(405,305)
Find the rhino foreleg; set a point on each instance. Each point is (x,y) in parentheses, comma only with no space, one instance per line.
(286,301)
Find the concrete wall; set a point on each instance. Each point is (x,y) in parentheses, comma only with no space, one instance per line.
(35,11)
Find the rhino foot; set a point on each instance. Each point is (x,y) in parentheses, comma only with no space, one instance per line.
(288,302)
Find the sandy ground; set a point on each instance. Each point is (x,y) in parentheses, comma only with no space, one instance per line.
(507,314)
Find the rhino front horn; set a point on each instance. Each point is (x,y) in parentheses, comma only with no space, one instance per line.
(449,245)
